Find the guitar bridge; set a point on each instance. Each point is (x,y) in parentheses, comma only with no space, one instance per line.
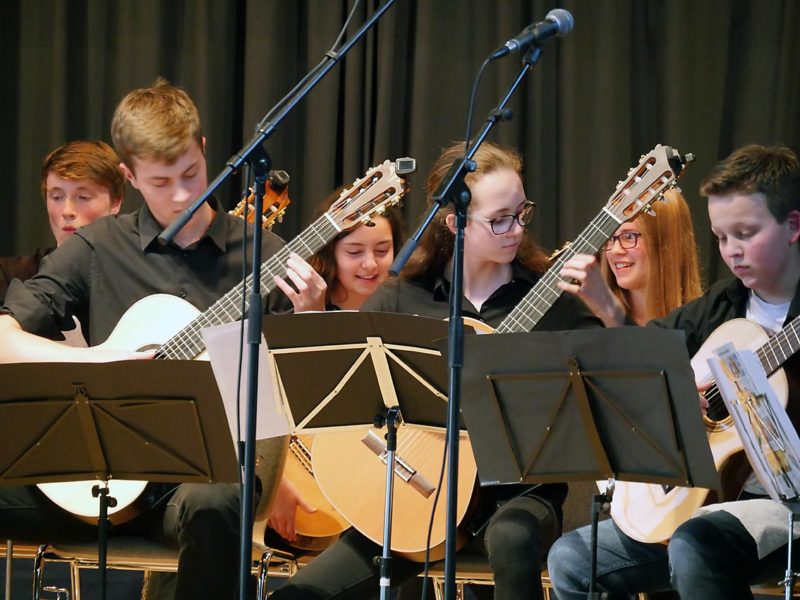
(401,468)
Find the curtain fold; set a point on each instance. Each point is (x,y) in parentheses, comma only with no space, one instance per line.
(704,77)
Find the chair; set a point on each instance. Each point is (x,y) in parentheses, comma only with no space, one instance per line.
(138,553)
(14,550)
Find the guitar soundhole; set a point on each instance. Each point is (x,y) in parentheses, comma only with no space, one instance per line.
(717,411)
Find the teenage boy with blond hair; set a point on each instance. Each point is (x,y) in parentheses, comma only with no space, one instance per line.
(96,275)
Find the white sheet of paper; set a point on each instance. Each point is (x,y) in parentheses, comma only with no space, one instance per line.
(222,342)
(768,436)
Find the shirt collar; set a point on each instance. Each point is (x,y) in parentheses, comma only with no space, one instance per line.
(150,229)
(739,294)
(441,286)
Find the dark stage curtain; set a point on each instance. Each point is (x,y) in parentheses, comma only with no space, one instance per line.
(703,76)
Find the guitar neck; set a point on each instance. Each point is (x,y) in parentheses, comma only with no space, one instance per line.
(777,350)
(543,295)
(188,342)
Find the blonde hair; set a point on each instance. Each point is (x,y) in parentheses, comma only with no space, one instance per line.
(155,123)
(673,276)
(436,245)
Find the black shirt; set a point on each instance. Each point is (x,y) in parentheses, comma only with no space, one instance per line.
(105,267)
(725,300)
(430,299)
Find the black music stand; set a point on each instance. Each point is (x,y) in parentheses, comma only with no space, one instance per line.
(583,405)
(160,421)
(340,370)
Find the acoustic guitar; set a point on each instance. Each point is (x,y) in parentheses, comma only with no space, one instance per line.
(349,465)
(172,326)
(651,513)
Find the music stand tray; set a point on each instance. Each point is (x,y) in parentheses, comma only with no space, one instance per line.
(337,370)
(588,404)
(160,421)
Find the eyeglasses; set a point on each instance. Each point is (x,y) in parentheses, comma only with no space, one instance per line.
(626,240)
(504,223)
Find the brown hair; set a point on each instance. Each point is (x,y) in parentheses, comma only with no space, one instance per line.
(673,276)
(436,245)
(155,123)
(772,171)
(95,161)
(324,261)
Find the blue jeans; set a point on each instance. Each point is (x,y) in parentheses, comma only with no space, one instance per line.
(624,566)
(709,557)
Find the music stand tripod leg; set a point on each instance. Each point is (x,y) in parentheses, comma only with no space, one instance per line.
(106,502)
(788,582)
(601,503)
(390,420)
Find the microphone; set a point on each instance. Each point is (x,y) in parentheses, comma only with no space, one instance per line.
(557,23)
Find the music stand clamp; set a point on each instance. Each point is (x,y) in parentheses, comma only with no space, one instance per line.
(160,421)
(585,405)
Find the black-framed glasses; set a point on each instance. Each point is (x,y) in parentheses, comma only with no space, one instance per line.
(504,223)
(626,240)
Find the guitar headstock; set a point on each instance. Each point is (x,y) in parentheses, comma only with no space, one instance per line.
(646,183)
(380,188)
(274,203)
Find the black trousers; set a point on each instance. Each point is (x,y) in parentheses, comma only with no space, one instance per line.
(515,541)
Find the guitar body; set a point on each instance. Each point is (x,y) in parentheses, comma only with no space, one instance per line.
(648,512)
(353,478)
(318,530)
(149,322)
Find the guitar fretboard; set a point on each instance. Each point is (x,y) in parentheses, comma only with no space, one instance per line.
(775,351)
(543,295)
(188,343)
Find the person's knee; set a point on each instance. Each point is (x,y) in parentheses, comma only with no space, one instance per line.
(210,511)
(690,548)
(514,538)
(567,560)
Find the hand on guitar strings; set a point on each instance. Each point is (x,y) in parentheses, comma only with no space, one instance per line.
(284,507)
(307,289)
(701,388)
(581,276)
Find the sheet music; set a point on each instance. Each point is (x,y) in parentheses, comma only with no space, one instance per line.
(222,343)
(768,436)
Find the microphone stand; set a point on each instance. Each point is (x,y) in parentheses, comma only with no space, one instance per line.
(254,154)
(454,189)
